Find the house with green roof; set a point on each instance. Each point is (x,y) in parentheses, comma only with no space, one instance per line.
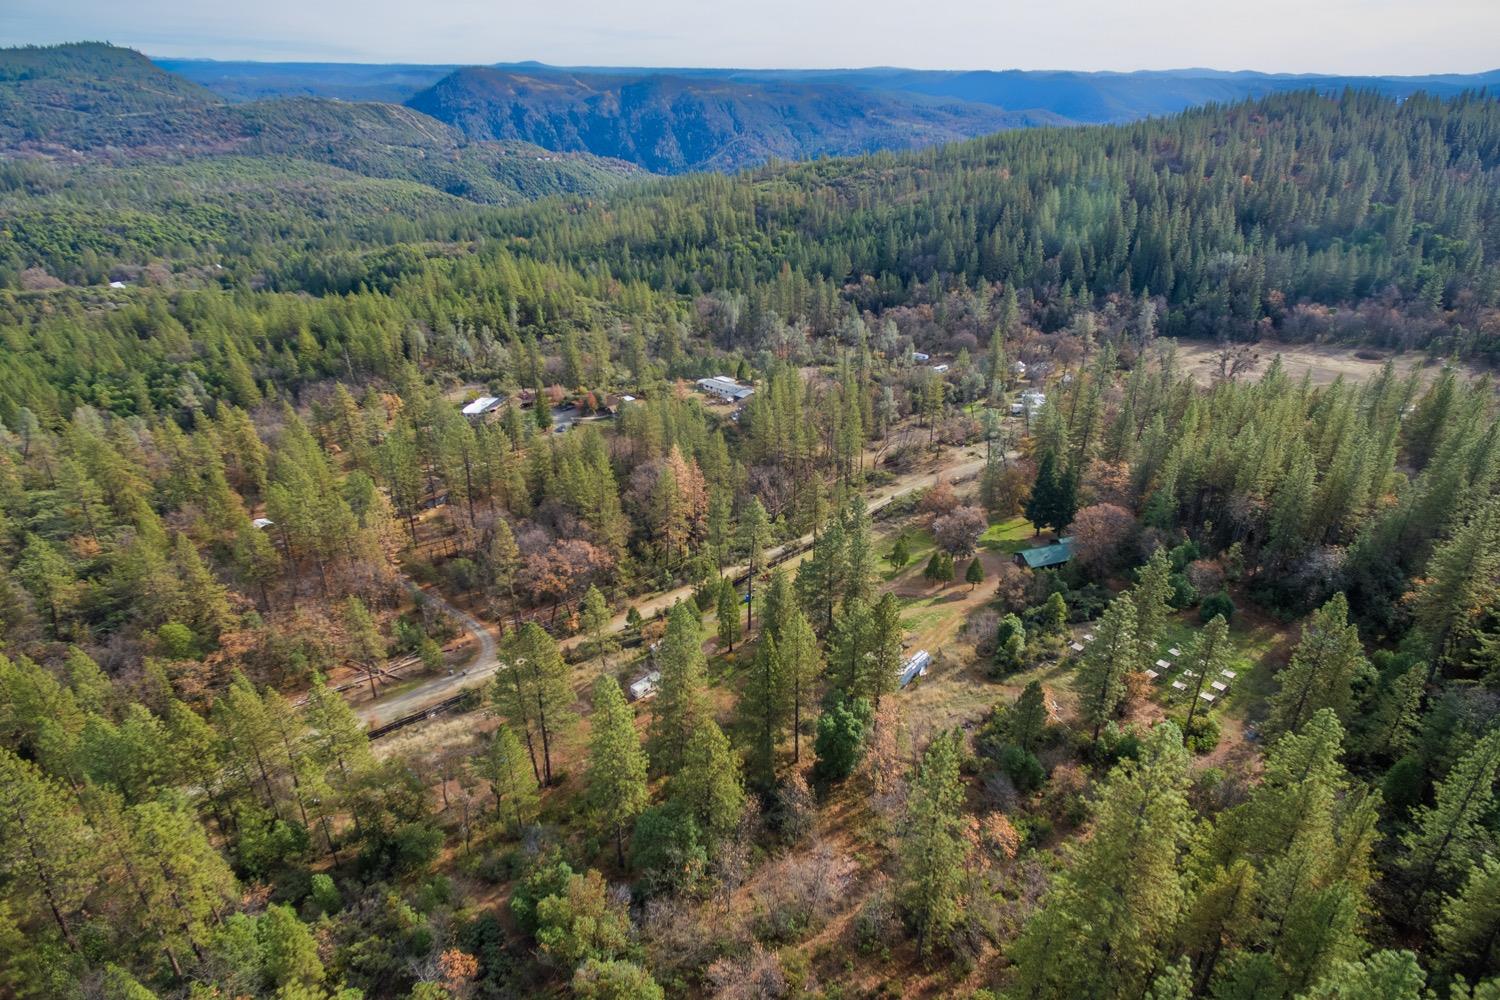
(1046,556)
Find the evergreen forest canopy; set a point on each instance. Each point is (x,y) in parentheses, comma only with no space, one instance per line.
(242,517)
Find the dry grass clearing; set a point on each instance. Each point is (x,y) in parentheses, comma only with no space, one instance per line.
(1324,363)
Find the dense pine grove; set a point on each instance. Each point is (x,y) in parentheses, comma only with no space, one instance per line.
(1243,742)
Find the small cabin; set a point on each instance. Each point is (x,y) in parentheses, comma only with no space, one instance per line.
(919,356)
(1046,556)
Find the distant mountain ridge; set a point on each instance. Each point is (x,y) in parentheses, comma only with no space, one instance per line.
(671,124)
(90,101)
(1078,96)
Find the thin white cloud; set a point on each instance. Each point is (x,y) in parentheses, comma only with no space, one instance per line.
(1330,36)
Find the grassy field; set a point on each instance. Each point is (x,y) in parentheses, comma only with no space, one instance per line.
(1257,645)
(1009,536)
(919,546)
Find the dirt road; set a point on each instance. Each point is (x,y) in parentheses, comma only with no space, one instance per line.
(959,464)
(410,701)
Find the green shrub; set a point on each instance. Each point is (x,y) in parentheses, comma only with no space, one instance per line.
(325,895)
(1204,735)
(1217,604)
(177,641)
(667,849)
(1022,768)
(1184,594)
(840,740)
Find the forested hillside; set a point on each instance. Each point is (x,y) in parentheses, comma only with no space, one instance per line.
(83,104)
(388,611)
(672,124)
(1356,219)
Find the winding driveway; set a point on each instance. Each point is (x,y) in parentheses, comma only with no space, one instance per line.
(431,692)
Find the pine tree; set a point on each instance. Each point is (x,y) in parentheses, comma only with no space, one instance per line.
(776,604)
(707,785)
(207,608)
(859,550)
(595,619)
(1111,912)
(616,778)
(1468,929)
(1308,832)
(719,517)
(1101,676)
(615,979)
(1391,729)
(1205,657)
(802,665)
(883,664)
(974,575)
(288,950)
(187,882)
(535,657)
(504,765)
(763,705)
(851,647)
(1043,503)
(364,644)
(1222,908)
(1175,982)
(45,854)
(727,615)
(1327,661)
(932,849)
(821,576)
(250,740)
(681,702)
(503,560)
(49,577)
(939,568)
(541,408)
(900,553)
(1448,835)
(1383,975)
(755,537)
(90,685)
(1026,720)
(1461,581)
(337,741)
(1152,595)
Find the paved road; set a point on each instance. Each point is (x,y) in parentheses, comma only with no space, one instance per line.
(959,466)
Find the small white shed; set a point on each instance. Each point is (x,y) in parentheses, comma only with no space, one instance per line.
(644,687)
(915,667)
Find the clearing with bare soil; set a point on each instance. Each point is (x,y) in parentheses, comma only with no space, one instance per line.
(1323,362)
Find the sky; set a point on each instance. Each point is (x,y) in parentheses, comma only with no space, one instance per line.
(1385,37)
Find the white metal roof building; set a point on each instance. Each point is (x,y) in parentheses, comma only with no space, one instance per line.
(725,388)
(482,405)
